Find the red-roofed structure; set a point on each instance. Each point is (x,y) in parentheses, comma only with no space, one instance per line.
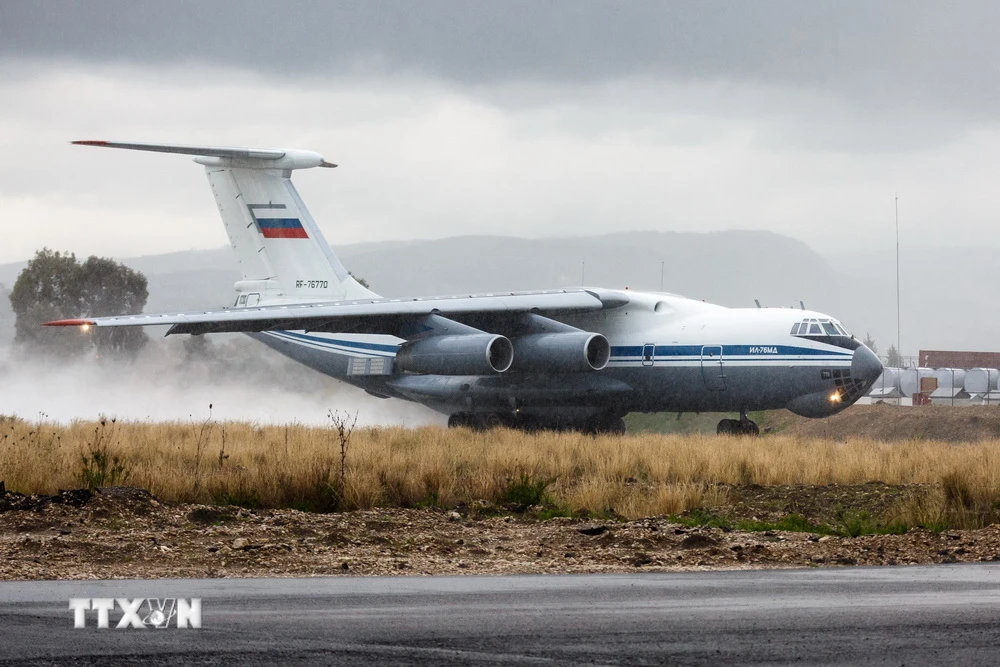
(958,359)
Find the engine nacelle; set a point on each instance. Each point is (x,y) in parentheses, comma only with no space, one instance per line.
(569,352)
(463,354)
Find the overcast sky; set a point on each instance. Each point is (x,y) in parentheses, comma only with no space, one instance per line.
(517,118)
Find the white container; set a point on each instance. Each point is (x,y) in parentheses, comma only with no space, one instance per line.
(949,377)
(887,381)
(981,380)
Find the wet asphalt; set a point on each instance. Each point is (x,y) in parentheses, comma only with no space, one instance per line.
(945,614)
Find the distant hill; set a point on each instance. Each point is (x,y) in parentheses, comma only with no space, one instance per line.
(942,309)
(732,268)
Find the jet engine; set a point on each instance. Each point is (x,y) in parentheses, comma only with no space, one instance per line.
(569,352)
(462,354)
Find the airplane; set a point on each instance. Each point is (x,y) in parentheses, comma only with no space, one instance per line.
(574,358)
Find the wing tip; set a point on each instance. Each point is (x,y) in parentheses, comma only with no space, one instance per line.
(69,323)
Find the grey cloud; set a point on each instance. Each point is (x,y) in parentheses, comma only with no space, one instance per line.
(886,54)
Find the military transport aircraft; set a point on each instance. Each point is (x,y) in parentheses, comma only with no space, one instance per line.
(577,357)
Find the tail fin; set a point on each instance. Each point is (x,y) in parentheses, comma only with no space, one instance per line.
(281,252)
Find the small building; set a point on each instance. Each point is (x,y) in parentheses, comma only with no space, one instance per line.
(955,396)
(989,398)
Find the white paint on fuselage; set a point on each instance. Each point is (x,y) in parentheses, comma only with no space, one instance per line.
(671,323)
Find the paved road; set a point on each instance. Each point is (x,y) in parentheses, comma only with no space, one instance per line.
(905,615)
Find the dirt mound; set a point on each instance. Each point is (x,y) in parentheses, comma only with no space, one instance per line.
(12,501)
(892,422)
(125,498)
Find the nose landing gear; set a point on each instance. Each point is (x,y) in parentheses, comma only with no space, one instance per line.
(742,426)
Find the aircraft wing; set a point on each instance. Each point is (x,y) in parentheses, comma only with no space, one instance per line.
(373,316)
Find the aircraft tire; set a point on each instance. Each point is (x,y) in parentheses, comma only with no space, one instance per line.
(457,420)
(737,427)
(605,425)
(490,421)
(729,427)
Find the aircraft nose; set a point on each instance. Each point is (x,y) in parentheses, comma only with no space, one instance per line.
(865,366)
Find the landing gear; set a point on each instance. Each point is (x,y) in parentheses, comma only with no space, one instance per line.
(605,425)
(490,421)
(742,426)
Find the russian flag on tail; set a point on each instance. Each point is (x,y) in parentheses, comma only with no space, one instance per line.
(276,227)
(282,228)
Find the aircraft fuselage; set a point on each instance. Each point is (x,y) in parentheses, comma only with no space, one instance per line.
(668,354)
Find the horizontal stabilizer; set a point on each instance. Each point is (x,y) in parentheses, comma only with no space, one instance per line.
(270,158)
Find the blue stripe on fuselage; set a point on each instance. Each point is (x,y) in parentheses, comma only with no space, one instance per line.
(727,351)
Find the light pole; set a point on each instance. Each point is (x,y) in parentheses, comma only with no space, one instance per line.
(899,347)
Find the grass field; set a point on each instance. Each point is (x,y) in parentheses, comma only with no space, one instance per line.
(553,473)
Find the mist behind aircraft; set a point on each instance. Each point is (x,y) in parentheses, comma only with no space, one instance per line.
(241,380)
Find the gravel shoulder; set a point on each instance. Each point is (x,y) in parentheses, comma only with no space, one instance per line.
(126,533)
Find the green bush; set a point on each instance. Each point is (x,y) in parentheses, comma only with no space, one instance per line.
(526,491)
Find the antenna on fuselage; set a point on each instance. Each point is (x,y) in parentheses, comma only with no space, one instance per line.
(757,301)
(802,305)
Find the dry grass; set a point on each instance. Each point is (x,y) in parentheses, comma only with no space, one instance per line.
(299,466)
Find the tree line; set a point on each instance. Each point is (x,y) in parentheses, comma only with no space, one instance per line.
(55,285)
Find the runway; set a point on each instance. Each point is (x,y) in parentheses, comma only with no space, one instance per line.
(902,615)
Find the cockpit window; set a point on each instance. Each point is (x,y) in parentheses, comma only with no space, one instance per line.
(825,330)
(819,327)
